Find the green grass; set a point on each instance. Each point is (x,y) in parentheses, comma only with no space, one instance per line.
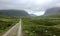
(7,22)
(41,26)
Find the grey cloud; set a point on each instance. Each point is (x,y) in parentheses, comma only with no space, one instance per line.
(27,4)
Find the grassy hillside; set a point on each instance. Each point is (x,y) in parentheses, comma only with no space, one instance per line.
(12,12)
(7,22)
(52,11)
(41,27)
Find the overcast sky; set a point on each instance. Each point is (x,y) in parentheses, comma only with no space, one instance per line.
(29,5)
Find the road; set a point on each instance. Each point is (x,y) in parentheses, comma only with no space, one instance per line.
(15,30)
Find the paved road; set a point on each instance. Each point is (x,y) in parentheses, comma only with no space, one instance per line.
(15,30)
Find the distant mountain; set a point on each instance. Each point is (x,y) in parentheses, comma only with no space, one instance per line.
(32,15)
(53,12)
(13,13)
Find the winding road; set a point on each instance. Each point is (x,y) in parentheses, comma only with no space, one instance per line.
(15,30)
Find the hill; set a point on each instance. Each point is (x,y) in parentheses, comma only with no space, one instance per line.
(53,12)
(32,15)
(13,13)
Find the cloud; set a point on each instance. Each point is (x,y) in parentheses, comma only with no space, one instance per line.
(38,13)
(29,4)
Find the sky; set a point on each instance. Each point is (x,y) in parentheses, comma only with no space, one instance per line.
(36,7)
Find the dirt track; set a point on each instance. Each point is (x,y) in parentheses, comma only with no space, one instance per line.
(15,30)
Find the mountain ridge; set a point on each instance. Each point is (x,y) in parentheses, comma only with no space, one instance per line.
(55,11)
(13,12)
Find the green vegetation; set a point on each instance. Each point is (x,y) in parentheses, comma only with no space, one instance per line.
(41,26)
(11,12)
(7,22)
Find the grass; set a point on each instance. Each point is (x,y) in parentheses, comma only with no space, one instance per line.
(41,26)
(7,22)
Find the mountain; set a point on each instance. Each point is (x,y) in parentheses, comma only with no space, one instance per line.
(13,13)
(53,12)
(32,15)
